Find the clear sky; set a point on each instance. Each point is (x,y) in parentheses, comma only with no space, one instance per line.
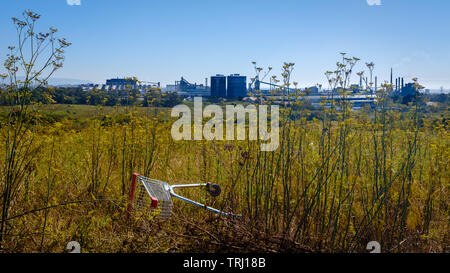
(162,40)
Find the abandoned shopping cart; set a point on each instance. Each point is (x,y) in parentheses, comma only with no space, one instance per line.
(157,195)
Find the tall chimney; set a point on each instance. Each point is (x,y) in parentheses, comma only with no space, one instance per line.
(391,76)
(376,83)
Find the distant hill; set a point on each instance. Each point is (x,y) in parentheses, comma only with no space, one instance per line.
(62,81)
(66,81)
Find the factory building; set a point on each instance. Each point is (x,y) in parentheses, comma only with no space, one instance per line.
(236,86)
(218,86)
(120,84)
(185,88)
(408,90)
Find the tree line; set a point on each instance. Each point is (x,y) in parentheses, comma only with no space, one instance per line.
(76,95)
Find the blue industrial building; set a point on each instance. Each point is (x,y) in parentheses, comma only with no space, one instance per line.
(218,86)
(236,86)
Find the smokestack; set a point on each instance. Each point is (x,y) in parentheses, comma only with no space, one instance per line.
(396,84)
(206,82)
(391,76)
(376,83)
(403,83)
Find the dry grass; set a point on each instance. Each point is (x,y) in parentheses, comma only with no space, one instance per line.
(327,188)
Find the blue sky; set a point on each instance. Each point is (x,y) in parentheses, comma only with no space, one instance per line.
(162,40)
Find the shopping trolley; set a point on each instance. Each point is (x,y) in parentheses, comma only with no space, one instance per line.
(154,195)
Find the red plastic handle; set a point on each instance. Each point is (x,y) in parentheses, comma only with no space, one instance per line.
(133,186)
(154,203)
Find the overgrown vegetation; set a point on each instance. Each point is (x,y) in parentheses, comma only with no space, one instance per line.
(320,191)
(336,182)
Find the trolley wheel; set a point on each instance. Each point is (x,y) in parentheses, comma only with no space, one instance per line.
(214,189)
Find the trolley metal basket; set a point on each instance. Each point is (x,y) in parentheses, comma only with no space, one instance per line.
(157,195)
